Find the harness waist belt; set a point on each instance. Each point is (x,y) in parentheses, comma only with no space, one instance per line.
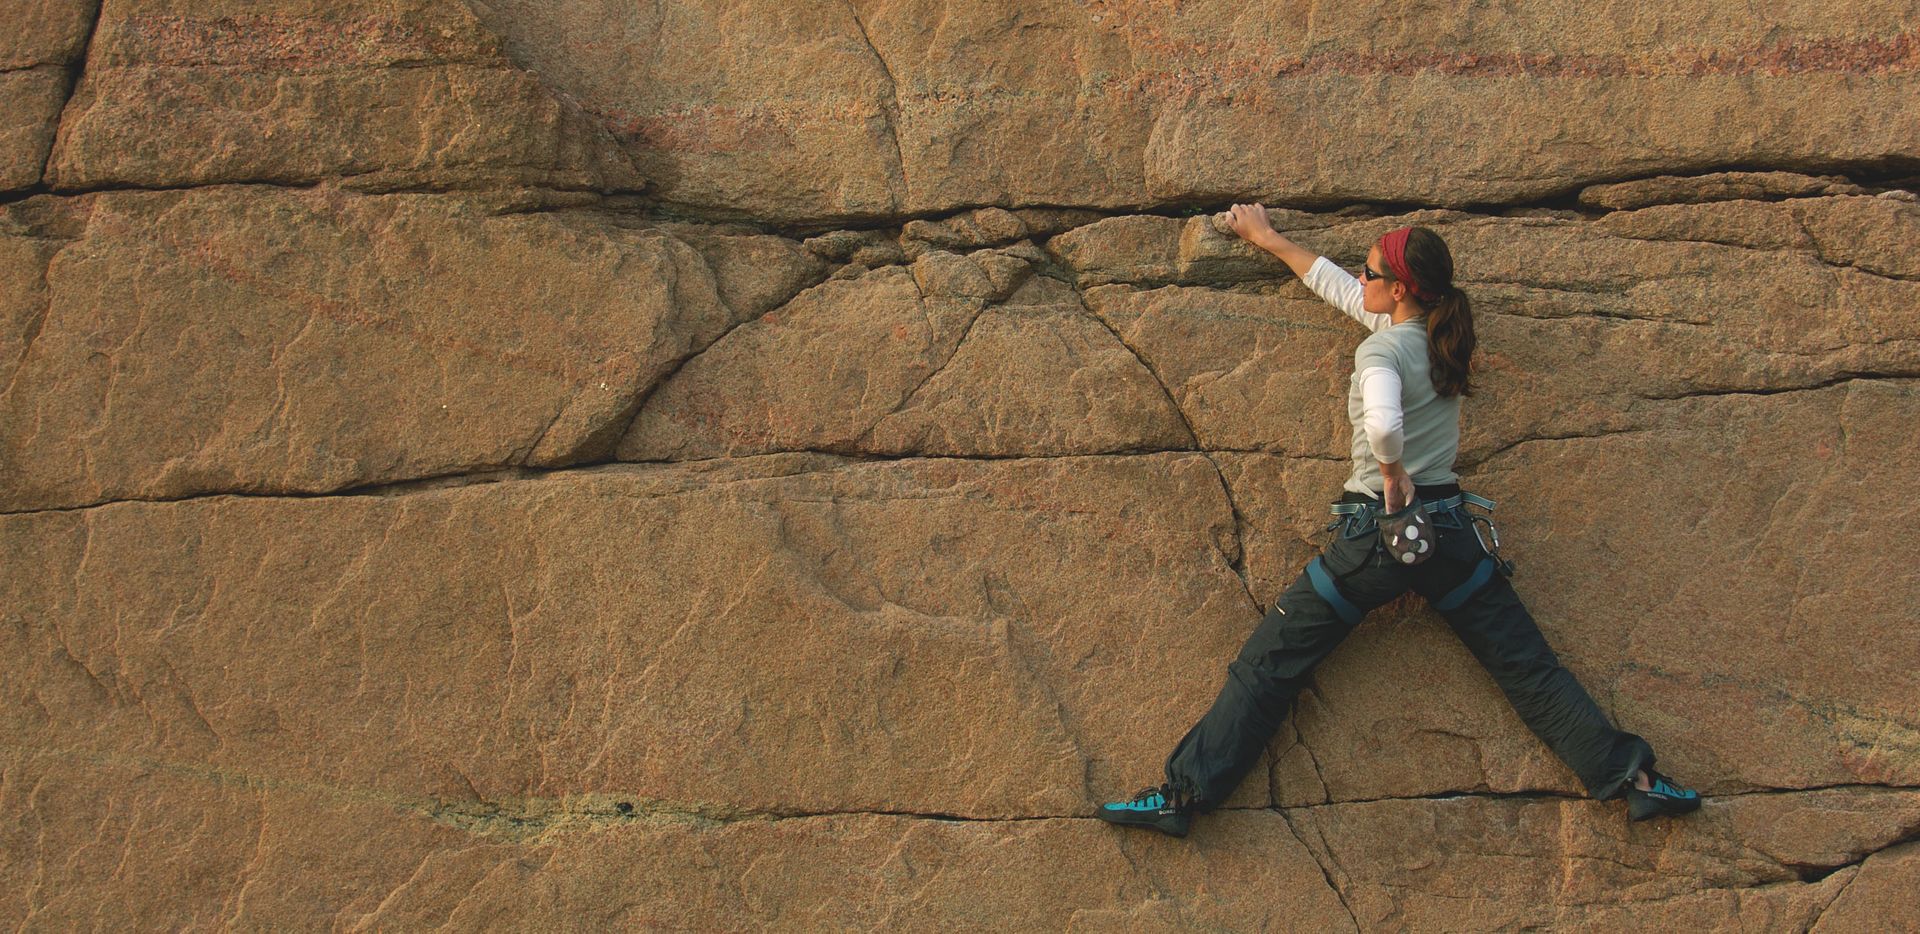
(1432,505)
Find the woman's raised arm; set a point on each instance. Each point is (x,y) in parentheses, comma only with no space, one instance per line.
(1250,222)
(1333,284)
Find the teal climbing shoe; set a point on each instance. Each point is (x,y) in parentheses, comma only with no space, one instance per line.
(1158,807)
(1664,797)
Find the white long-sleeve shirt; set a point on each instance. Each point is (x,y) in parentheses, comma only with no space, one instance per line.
(1391,403)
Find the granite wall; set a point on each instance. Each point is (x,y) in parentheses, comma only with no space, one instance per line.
(725,465)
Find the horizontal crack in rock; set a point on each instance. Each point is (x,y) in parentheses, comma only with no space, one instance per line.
(527,818)
(1842,379)
(513,473)
(1348,211)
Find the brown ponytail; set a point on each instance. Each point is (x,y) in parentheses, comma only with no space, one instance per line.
(1449,320)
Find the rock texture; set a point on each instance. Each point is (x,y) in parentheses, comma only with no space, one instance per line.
(40,40)
(886,107)
(723,466)
(259,339)
(390,93)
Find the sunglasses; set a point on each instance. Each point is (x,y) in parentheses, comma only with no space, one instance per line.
(1367,273)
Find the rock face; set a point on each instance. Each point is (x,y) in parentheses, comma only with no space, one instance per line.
(734,466)
(882,107)
(390,93)
(262,340)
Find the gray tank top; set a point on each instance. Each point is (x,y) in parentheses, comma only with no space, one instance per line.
(1430,422)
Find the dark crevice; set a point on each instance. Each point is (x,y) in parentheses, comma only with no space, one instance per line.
(602,446)
(637,202)
(494,473)
(1536,795)
(906,400)
(75,70)
(33,330)
(1849,376)
(522,458)
(533,816)
(1835,900)
(1238,562)
(485,817)
(469,477)
(1140,358)
(861,223)
(1809,789)
(1817,873)
(1601,316)
(638,407)
(1488,458)
(1240,525)
(1887,173)
(1820,873)
(512,472)
(1300,739)
(1325,872)
(1893,173)
(43,189)
(488,819)
(18,195)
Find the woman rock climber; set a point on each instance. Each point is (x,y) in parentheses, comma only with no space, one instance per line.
(1404,403)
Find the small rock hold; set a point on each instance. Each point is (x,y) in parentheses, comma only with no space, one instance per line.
(987,275)
(1718,186)
(1211,252)
(1045,222)
(843,245)
(1026,250)
(1135,249)
(960,233)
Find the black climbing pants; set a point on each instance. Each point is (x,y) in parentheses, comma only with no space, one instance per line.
(1305,625)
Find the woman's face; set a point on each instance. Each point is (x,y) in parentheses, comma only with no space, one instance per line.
(1376,296)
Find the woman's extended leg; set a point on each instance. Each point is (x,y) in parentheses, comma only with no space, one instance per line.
(1309,620)
(1261,684)
(1305,624)
(1496,627)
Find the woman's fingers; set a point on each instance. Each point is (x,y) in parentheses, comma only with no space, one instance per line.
(1396,492)
(1247,219)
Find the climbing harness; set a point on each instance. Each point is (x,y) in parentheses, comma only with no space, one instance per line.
(1357,520)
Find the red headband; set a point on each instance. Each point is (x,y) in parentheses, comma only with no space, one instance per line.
(1393,249)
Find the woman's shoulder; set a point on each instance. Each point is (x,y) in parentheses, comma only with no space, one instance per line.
(1406,340)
